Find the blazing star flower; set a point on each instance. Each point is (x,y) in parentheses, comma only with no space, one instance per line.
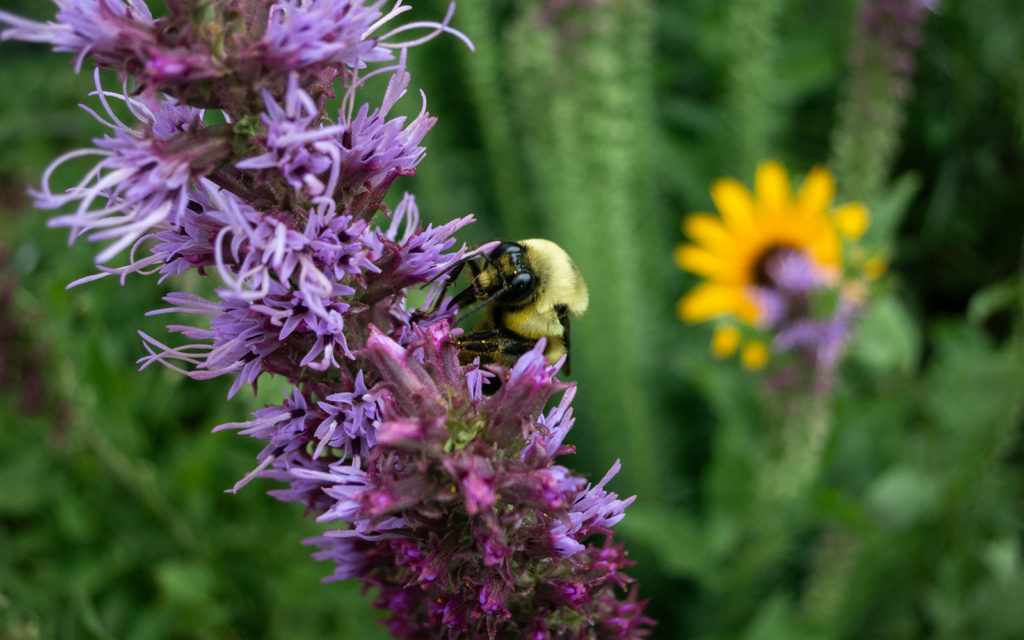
(765,258)
(373,150)
(120,34)
(198,61)
(297,145)
(362,153)
(290,293)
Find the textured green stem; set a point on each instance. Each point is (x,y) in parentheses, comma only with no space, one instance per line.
(775,513)
(751,96)
(585,123)
(484,72)
(866,136)
(804,437)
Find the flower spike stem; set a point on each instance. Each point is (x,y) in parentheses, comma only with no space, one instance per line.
(881,62)
(750,99)
(804,438)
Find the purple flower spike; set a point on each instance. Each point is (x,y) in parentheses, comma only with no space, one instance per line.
(372,150)
(446,499)
(298,147)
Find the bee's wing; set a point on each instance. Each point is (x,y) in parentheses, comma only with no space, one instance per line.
(563,318)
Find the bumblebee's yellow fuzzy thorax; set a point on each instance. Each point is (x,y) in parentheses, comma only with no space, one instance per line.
(560,278)
(560,283)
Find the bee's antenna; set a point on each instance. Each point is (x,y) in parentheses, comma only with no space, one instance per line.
(479,305)
(452,271)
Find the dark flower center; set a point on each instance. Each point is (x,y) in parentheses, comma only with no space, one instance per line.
(761,273)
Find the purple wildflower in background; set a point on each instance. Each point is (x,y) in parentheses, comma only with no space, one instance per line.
(787,301)
(446,500)
(894,26)
(882,61)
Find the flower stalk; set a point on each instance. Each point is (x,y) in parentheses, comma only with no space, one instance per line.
(881,62)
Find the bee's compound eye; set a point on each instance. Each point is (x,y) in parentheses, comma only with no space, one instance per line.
(518,286)
(505,248)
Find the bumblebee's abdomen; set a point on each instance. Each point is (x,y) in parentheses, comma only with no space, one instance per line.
(555,349)
(530,323)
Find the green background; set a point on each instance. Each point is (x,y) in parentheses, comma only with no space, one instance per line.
(597,124)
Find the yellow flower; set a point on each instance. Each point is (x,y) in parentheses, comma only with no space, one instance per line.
(754,355)
(730,250)
(724,341)
(852,220)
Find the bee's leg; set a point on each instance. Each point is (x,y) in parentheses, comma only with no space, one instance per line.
(450,275)
(499,347)
(496,346)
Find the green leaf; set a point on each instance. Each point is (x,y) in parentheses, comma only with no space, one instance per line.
(999,297)
(903,496)
(887,339)
(891,206)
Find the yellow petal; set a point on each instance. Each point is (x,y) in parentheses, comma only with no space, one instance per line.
(709,300)
(754,355)
(852,220)
(774,194)
(708,230)
(825,247)
(724,341)
(736,204)
(705,263)
(816,193)
(748,312)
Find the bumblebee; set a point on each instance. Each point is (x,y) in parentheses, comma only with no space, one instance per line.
(528,289)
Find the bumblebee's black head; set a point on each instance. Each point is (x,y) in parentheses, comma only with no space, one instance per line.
(505,248)
(512,281)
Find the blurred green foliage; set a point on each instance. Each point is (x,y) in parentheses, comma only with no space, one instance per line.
(890,509)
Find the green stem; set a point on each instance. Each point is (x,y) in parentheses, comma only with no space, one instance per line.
(492,112)
(588,121)
(787,479)
(750,95)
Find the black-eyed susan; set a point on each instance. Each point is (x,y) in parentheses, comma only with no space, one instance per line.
(765,257)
